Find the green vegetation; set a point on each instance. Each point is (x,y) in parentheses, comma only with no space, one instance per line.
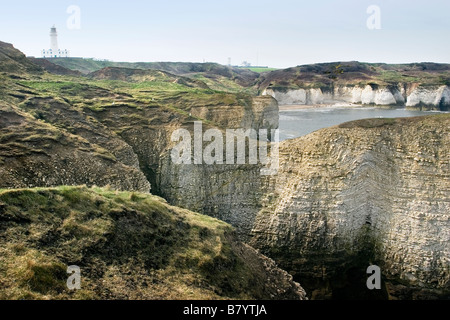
(52,86)
(356,74)
(390,76)
(59,129)
(127,244)
(83,65)
(162,93)
(261,70)
(224,84)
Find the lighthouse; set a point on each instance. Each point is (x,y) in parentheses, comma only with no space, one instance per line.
(54,51)
(53,39)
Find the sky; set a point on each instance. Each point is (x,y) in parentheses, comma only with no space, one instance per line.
(280,34)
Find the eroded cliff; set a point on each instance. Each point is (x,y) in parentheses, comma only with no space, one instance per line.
(370,191)
(367,192)
(411,96)
(34,153)
(418,85)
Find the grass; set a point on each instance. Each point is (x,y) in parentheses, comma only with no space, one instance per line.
(396,77)
(120,240)
(37,136)
(99,94)
(83,65)
(360,74)
(261,70)
(49,86)
(225,84)
(86,95)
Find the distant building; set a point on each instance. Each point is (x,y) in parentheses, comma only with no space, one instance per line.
(54,51)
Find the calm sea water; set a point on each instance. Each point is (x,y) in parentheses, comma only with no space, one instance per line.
(296,123)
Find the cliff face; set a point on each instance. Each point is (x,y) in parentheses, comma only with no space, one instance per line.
(34,153)
(55,131)
(60,130)
(417,85)
(411,96)
(222,191)
(257,113)
(369,192)
(437,97)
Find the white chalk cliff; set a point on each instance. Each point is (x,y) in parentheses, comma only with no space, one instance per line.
(412,96)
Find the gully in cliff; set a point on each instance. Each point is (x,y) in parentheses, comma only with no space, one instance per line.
(259,144)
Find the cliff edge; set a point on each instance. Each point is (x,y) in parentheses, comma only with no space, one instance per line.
(366,192)
(127,246)
(415,86)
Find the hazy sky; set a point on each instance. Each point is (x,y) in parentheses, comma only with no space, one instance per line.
(279,33)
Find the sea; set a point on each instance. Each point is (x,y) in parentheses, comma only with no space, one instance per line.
(299,122)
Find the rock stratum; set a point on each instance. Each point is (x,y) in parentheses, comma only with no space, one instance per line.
(416,86)
(366,192)
(413,97)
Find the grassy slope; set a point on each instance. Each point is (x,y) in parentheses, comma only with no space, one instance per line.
(128,245)
(325,75)
(217,76)
(12,60)
(83,92)
(322,75)
(261,70)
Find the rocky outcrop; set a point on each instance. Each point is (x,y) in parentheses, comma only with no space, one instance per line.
(61,114)
(53,68)
(129,128)
(424,97)
(14,61)
(151,141)
(434,97)
(367,192)
(416,85)
(257,113)
(36,154)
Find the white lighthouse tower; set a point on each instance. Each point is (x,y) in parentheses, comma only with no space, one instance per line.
(54,51)
(53,39)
